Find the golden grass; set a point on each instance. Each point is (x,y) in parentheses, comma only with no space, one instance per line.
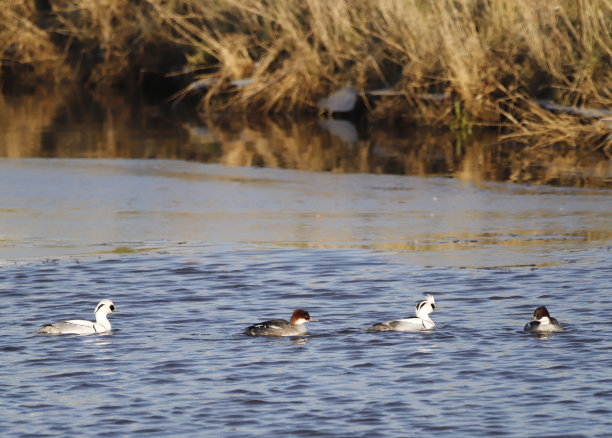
(490,59)
(27,49)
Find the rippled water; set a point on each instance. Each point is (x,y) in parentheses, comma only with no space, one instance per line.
(193,254)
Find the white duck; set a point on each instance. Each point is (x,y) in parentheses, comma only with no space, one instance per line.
(81,326)
(422,321)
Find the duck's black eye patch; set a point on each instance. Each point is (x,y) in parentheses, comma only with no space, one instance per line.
(433,306)
(112,308)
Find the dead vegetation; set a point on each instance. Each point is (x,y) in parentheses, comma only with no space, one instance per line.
(491,61)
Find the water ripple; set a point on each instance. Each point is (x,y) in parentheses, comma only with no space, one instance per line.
(177,361)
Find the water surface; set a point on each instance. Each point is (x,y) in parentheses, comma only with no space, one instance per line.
(178,364)
(194,253)
(79,125)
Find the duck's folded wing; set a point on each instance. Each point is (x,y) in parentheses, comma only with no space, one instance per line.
(532,326)
(268,327)
(382,326)
(69,326)
(402,325)
(558,326)
(408,324)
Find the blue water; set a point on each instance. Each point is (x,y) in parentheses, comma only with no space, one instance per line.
(193,254)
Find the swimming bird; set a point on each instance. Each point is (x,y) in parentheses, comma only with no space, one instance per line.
(81,326)
(280,327)
(543,322)
(422,321)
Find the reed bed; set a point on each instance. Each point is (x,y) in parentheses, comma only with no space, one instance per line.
(488,62)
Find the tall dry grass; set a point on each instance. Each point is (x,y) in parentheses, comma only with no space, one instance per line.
(478,52)
(490,59)
(27,50)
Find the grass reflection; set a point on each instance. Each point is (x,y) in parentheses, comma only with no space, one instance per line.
(61,127)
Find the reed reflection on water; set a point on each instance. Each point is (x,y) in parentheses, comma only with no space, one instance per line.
(80,127)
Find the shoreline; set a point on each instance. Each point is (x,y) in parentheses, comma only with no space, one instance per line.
(83,125)
(536,76)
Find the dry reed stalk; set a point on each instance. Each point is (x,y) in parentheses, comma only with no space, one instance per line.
(27,50)
(106,36)
(483,56)
(540,128)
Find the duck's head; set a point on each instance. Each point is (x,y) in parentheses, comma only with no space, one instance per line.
(424,308)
